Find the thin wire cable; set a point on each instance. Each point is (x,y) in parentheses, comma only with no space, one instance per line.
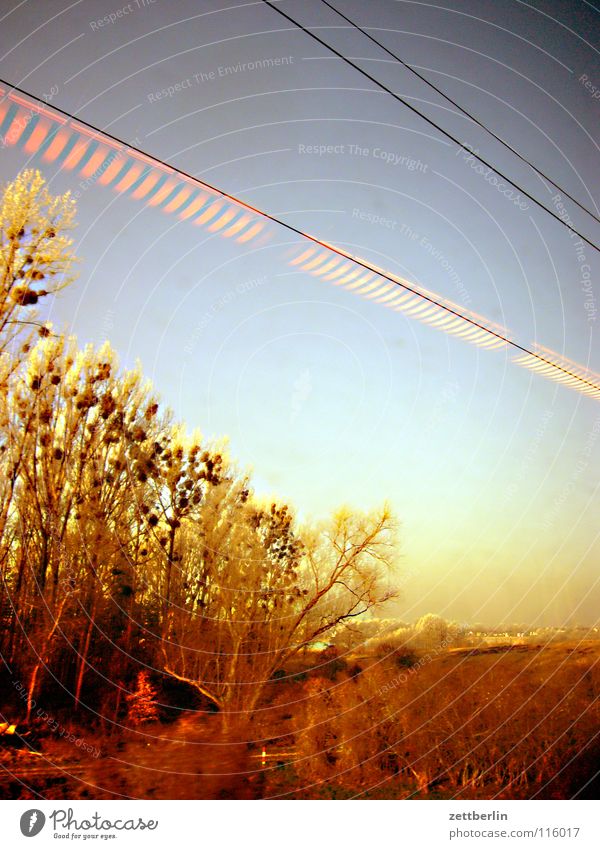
(461,109)
(430,121)
(290,227)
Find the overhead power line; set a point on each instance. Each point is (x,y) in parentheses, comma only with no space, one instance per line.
(430,121)
(77,141)
(460,108)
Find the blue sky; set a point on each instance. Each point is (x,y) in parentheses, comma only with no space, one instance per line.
(330,398)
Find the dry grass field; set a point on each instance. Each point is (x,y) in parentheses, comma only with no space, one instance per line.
(512,722)
(506,722)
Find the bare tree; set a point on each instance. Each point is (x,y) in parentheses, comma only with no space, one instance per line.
(256,592)
(36,257)
(36,260)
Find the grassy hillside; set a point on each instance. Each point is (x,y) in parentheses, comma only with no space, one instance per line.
(491,722)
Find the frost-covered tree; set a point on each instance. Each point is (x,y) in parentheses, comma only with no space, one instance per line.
(431,631)
(255,589)
(36,251)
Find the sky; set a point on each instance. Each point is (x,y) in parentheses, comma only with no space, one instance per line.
(328,397)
